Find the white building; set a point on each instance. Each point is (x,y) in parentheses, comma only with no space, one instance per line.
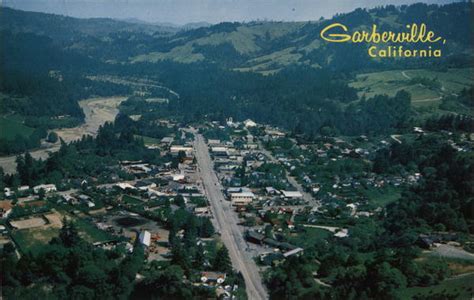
(291,194)
(125,185)
(242,198)
(145,238)
(249,123)
(174,150)
(46,187)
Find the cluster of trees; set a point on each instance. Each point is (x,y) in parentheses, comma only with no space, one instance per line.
(451,122)
(301,99)
(84,158)
(22,143)
(444,199)
(68,267)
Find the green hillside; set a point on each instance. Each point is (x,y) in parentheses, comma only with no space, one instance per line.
(11,128)
(259,46)
(450,82)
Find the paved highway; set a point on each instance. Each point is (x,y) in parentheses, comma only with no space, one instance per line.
(225,221)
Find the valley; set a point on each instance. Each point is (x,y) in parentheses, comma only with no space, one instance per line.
(242,160)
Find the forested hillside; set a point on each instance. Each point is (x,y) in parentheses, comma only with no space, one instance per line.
(275,72)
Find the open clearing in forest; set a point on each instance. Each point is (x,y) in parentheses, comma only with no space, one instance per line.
(97,111)
(390,82)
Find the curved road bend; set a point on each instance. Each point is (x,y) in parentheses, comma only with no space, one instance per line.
(226,222)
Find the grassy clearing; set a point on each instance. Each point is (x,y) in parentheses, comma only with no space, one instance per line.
(383,196)
(31,240)
(463,286)
(131,200)
(390,82)
(148,140)
(181,54)
(11,127)
(309,237)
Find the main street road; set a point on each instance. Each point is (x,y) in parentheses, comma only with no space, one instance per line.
(225,221)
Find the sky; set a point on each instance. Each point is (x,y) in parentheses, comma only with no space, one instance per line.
(211,11)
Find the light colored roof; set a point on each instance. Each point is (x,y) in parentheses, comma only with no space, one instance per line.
(145,238)
(219,149)
(125,185)
(292,194)
(243,194)
(292,252)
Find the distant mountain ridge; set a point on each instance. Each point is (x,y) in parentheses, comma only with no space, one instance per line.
(263,47)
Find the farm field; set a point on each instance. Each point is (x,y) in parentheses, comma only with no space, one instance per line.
(390,82)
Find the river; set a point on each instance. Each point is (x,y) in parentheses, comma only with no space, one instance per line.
(97,111)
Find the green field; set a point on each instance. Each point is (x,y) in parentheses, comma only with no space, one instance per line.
(131,200)
(383,196)
(463,286)
(309,237)
(33,239)
(148,140)
(10,128)
(390,82)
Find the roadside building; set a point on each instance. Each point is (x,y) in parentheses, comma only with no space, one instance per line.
(291,194)
(200,211)
(242,198)
(254,237)
(220,151)
(174,150)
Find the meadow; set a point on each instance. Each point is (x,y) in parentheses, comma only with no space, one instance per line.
(450,82)
(12,127)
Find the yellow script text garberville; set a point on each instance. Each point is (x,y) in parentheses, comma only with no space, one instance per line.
(415,34)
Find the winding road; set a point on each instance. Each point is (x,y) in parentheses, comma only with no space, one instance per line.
(225,222)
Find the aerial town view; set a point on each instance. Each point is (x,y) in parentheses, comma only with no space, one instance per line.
(237,149)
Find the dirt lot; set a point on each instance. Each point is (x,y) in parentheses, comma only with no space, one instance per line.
(28,223)
(97,111)
(34,232)
(53,219)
